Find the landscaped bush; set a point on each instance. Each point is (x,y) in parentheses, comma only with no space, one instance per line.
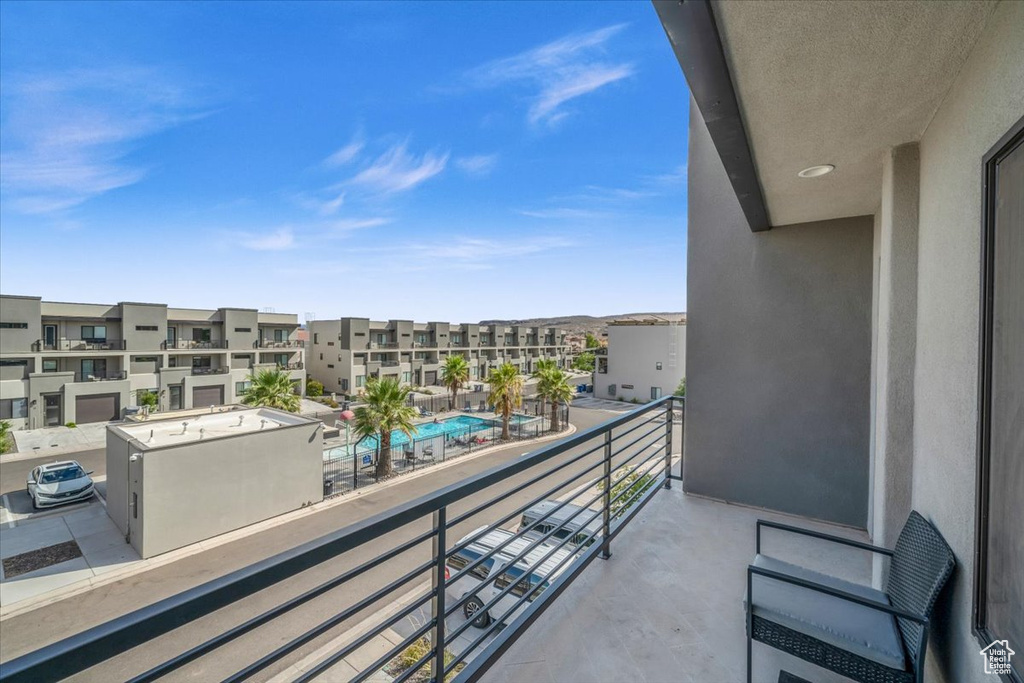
(72,425)
(314,388)
(681,389)
(148,398)
(6,442)
(408,657)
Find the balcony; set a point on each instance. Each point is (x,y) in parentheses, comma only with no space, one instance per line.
(424,345)
(209,371)
(382,345)
(104,376)
(192,344)
(291,366)
(80,345)
(389,363)
(284,344)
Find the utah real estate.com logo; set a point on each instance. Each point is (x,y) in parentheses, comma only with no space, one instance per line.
(997,657)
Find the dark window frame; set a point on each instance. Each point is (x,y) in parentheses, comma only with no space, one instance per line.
(147,328)
(1003,148)
(13,326)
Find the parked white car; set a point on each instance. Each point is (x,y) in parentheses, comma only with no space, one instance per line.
(483,583)
(59,483)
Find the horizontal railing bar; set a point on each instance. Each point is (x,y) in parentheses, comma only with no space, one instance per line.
(373,668)
(632,443)
(475,669)
(536,543)
(86,649)
(657,418)
(525,597)
(328,624)
(258,620)
(411,671)
(480,560)
(476,510)
(462,544)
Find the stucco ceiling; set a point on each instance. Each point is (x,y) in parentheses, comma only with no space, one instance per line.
(839,83)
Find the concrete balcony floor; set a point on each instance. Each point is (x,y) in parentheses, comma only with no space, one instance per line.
(668,605)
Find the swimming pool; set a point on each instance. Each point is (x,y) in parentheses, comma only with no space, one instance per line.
(461,425)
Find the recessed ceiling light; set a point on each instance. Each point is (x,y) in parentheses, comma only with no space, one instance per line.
(815,171)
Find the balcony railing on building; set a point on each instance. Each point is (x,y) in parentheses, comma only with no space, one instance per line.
(192,344)
(273,344)
(101,376)
(290,366)
(598,480)
(80,345)
(209,371)
(381,345)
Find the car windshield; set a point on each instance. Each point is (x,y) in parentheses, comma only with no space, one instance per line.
(65,474)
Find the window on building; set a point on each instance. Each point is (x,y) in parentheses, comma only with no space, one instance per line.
(281,358)
(145,359)
(657,366)
(13,408)
(243,329)
(360,381)
(201,334)
(13,326)
(49,366)
(172,335)
(94,333)
(242,387)
(10,362)
(360,334)
(611,389)
(172,361)
(280,336)
(406,377)
(316,337)
(202,361)
(330,365)
(94,367)
(330,343)
(146,328)
(655,393)
(344,383)
(456,338)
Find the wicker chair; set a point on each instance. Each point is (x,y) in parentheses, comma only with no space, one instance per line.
(862,633)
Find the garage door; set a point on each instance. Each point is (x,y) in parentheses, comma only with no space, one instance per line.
(102,408)
(207,396)
(429,378)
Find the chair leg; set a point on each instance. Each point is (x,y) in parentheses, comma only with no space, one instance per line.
(750,625)
(750,661)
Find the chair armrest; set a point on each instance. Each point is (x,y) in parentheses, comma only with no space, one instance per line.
(819,535)
(828,590)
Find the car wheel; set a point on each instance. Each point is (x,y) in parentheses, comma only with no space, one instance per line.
(35,505)
(474,612)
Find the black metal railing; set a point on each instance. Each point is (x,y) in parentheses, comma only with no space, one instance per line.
(101,376)
(403,572)
(277,344)
(192,344)
(210,371)
(354,466)
(80,345)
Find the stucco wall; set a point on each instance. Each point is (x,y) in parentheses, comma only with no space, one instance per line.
(634,352)
(778,354)
(984,102)
(203,489)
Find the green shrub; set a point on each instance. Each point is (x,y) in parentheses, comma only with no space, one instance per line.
(5,436)
(72,425)
(681,389)
(408,657)
(148,398)
(314,388)
(584,362)
(634,400)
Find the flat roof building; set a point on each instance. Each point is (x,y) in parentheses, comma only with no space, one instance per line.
(645,358)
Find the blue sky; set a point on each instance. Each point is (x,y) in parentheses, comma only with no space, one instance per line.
(449,161)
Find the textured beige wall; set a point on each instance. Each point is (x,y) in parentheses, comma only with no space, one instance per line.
(985,101)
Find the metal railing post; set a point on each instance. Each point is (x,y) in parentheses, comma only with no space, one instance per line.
(668,442)
(606,527)
(355,470)
(437,606)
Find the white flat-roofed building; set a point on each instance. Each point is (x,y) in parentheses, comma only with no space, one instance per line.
(178,478)
(645,358)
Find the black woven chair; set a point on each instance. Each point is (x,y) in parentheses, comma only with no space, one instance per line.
(864,634)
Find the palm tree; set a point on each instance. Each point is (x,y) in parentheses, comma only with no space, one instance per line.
(554,387)
(385,411)
(454,375)
(506,393)
(272,389)
(543,365)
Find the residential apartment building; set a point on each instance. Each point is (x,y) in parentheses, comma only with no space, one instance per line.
(71,362)
(344,353)
(645,359)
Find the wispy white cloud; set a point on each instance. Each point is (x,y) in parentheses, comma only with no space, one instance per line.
(279,240)
(561,70)
(464,253)
(349,224)
(396,170)
(347,153)
(477,165)
(564,213)
(675,177)
(66,135)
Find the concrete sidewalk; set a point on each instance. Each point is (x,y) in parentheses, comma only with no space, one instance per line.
(59,440)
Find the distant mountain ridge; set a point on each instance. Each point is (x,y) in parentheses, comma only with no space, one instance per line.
(579,324)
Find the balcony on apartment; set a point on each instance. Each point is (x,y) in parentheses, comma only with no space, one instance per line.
(73,345)
(278,344)
(194,344)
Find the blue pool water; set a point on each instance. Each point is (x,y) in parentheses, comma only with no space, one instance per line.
(461,425)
